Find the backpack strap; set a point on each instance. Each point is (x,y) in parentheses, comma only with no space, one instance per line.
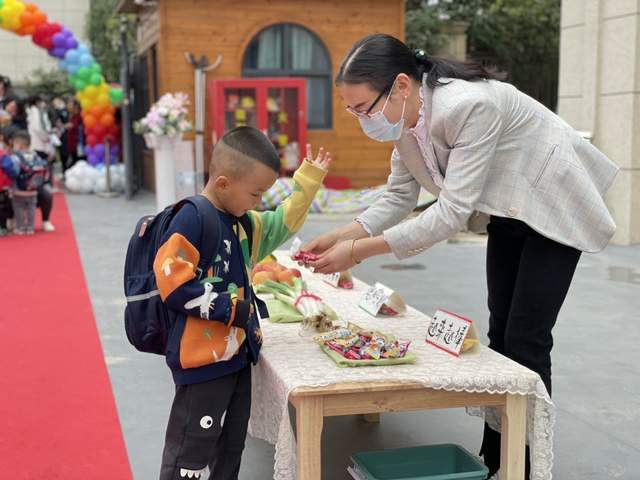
(211,238)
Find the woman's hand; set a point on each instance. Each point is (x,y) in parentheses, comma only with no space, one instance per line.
(322,243)
(337,259)
(323,160)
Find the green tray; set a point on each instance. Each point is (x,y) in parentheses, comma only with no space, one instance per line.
(431,462)
(345,362)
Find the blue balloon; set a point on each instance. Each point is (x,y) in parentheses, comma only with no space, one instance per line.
(82,48)
(73,68)
(86,60)
(72,56)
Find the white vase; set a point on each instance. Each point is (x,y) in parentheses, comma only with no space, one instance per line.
(165,170)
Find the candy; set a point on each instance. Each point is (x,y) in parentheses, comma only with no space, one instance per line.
(387,310)
(305,257)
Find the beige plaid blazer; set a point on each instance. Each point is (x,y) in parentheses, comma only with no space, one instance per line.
(501,153)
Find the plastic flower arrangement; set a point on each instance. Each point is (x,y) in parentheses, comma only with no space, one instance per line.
(167,117)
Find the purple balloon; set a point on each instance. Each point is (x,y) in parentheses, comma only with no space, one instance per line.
(88,150)
(99,150)
(57,52)
(71,43)
(59,39)
(93,160)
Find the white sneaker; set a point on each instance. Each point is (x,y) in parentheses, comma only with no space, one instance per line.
(48,227)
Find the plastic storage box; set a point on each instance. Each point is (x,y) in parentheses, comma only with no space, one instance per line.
(431,462)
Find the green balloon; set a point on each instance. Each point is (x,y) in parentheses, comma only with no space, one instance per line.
(96,79)
(96,68)
(116,95)
(80,84)
(84,73)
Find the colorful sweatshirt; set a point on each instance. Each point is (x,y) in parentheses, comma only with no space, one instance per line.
(216,330)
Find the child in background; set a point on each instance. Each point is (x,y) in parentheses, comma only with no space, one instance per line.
(216,333)
(27,172)
(6,210)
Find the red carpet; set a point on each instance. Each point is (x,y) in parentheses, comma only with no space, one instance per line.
(57,413)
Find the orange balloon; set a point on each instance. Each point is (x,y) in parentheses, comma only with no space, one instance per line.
(96,110)
(39,18)
(26,19)
(107,120)
(90,121)
(31,7)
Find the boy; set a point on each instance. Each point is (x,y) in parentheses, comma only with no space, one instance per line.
(216,334)
(27,172)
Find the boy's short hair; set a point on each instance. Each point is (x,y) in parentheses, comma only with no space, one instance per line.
(21,135)
(241,145)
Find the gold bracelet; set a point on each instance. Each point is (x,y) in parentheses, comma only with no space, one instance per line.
(353,258)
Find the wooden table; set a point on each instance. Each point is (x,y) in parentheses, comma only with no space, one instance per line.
(313,404)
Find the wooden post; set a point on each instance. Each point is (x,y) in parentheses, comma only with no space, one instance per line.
(514,428)
(309,419)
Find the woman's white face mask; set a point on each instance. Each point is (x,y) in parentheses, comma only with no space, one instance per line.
(377,127)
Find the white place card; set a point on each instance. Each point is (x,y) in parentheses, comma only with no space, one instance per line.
(379,295)
(447,331)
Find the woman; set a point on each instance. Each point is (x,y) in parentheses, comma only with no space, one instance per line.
(492,155)
(72,139)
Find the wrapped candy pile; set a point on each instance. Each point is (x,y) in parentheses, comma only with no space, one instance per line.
(354,343)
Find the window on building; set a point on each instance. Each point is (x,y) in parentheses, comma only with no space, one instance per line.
(288,50)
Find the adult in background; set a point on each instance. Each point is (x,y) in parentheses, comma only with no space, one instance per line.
(40,129)
(489,152)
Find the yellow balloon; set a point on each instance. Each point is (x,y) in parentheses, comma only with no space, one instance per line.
(91,91)
(103,100)
(86,104)
(104,88)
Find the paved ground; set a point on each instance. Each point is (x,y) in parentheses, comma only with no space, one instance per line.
(596,357)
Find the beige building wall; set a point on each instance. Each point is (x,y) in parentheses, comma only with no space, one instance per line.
(19,56)
(599,92)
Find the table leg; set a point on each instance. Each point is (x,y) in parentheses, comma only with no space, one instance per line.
(514,427)
(309,419)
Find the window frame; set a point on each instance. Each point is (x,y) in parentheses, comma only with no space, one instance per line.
(288,71)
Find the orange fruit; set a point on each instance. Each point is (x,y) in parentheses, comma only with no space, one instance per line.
(261,277)
(285,276)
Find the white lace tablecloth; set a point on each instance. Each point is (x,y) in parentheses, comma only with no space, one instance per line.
(289,361)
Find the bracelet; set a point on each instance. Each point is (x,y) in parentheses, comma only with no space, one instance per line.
(353,258)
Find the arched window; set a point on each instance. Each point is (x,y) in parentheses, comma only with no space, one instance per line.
(288,50)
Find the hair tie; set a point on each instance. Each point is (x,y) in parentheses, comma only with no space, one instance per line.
(421,55)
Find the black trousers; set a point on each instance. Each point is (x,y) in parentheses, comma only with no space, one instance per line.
(6,208)
(528,277)
(208,427)
(45,202)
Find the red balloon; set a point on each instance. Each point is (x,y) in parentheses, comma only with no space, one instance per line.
(92,140)
(99,130)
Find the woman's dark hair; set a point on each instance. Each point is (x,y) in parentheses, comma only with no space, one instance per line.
(379,58)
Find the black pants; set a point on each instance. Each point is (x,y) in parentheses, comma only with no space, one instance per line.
(528,277)
(208,427)
(45,202)
(6,209)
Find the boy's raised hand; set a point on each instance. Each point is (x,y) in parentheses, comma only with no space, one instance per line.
(323,160)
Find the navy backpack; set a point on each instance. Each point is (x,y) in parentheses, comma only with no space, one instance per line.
(146,318)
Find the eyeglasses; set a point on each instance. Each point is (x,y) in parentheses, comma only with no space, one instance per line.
(375,102)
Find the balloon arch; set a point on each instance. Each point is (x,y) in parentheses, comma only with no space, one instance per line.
(96,97)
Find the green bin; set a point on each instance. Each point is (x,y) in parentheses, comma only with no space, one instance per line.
(430,462)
